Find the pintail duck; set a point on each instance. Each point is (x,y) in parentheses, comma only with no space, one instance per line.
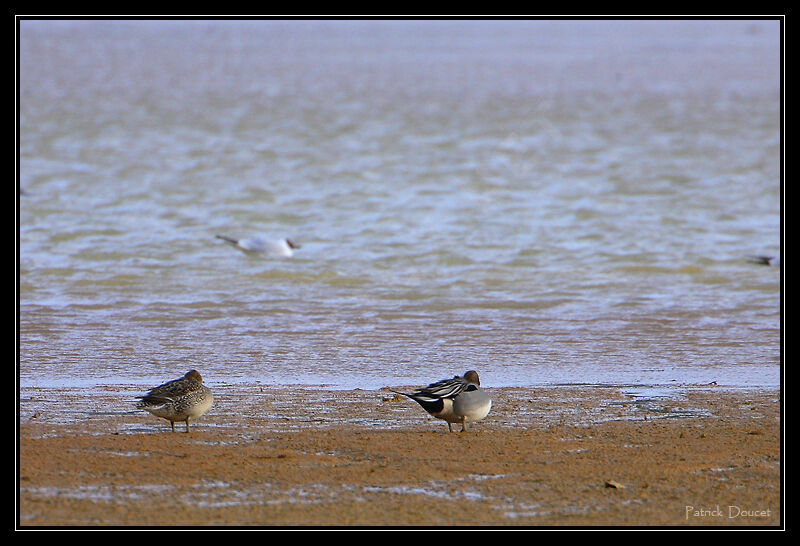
(280,247)
(179,400)
(457,400)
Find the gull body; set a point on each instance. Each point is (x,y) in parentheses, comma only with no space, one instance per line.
(456,400)
(179,400)
(256,245)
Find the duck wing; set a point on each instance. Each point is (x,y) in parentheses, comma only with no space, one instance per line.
(446,388)
(172,390)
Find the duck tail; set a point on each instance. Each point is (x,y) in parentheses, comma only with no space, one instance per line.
(431,405)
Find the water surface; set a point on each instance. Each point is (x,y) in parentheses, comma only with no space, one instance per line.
(548,202)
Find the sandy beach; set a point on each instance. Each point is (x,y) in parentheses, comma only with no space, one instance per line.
(283,457)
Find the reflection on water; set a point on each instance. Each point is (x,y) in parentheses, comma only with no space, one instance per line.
(546,202)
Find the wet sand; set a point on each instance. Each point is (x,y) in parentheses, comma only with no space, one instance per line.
(560,456)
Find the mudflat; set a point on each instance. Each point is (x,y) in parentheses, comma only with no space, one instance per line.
(300,457)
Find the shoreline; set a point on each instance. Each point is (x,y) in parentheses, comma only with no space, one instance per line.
(262,457)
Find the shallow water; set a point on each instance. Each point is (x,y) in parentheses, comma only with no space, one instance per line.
(548,202)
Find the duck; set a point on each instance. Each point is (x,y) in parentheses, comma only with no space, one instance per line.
(764,260)
(179,400)
(456,400)
(255,245)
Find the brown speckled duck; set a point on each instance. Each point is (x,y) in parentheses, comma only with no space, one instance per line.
(179,400)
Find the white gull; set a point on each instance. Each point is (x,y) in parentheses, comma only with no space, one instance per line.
(255,245)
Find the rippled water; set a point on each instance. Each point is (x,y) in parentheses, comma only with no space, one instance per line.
(544,201)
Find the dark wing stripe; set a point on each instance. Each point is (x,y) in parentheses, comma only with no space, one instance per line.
(155,399)
(447,388)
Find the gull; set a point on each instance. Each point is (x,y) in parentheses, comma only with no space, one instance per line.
(179,400)
(255,245)
(457,400)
